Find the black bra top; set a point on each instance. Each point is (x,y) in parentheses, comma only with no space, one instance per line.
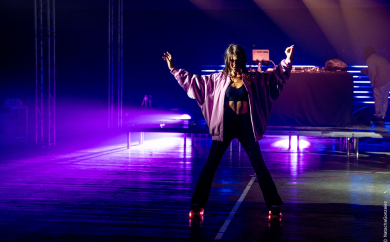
(236,94)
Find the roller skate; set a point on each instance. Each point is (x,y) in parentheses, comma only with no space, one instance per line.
(196,211)
(196,216)
(275,214)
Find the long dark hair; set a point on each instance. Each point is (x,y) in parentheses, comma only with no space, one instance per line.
(234,49)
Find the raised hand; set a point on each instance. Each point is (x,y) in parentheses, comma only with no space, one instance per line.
(168,58)
(289,51)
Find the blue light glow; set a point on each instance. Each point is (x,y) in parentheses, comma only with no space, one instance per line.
(359,66)
(212,70)
(362,92)
(353,71)
(362,96)
(361,82)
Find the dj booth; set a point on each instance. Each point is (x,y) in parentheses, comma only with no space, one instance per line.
(314,99)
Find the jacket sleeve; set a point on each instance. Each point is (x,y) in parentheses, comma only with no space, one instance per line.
(194,85)
(277,78)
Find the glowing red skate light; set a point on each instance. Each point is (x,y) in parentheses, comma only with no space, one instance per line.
(201,212)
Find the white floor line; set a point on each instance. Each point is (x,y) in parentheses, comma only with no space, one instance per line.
(381,153)
(235,208)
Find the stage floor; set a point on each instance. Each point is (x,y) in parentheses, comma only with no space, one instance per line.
(105,192)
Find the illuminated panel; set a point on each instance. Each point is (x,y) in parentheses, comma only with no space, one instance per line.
(362,96)
(209,70)
(359,66)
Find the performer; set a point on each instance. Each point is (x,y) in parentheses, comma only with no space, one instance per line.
(236,104)
(379,74)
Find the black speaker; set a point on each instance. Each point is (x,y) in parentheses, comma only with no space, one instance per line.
(362,116)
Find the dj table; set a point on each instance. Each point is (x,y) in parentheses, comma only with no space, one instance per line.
(315,100)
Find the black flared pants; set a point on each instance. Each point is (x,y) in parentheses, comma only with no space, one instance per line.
(240,127)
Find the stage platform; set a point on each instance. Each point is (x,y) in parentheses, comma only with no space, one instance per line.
(97,190)
(349,135)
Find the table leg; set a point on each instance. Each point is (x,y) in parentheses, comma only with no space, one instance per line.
(192,139)
(347,139)
(289,142)
(141,138)
(297,142)
(356,143)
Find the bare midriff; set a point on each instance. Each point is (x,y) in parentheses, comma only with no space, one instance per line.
(239,107)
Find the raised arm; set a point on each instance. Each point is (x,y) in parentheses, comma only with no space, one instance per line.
(276,79)
(168,58)
(289,53)
(194,85)
(283,70)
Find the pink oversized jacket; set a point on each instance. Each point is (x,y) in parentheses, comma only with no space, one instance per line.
(209,92)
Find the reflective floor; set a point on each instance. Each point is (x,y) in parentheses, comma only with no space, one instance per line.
(104,192)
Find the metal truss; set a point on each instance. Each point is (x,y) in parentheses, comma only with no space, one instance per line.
(115,63)
(45,73)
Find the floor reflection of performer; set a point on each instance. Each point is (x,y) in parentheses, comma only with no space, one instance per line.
(236,104)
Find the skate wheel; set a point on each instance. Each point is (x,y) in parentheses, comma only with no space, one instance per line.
(201,212)
(191,214)
(272,216)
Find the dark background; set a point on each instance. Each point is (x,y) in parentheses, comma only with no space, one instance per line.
(195,32)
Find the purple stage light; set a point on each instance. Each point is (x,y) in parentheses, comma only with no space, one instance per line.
(284,143)
(185,116)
